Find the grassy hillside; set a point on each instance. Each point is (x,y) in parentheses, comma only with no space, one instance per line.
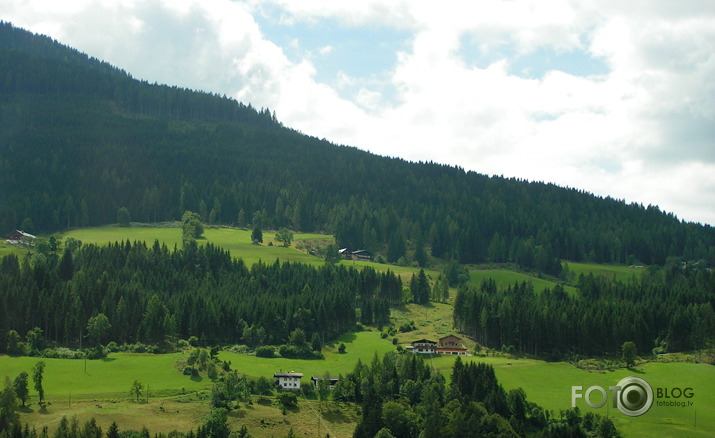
(549,384)
(236,241)
(618,272)
(505,278)
(103,391)
(179,402)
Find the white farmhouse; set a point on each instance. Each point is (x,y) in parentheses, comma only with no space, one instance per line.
(288,381)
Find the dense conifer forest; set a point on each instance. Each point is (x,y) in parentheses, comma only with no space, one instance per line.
(667,309)
(81,140)
(156,296)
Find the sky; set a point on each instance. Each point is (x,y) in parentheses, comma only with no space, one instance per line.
(613,97)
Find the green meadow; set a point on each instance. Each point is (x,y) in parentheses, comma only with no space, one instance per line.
(236,241)
(177,401)
(180,402)
(618,272)
(505,278)
(549,385)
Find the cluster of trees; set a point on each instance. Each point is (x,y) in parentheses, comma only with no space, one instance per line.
(70,158)
(401,396)
(214,426)
(130,292)
(668,308)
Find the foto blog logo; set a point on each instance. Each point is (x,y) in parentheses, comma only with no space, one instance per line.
(632,396)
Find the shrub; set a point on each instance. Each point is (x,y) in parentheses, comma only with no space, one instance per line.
(265,351)
(288,399)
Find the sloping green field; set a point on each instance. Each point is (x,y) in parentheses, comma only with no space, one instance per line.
(549,385)
(618,272)
(505,278)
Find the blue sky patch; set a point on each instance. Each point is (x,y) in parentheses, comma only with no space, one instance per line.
(360,52)
(533,65)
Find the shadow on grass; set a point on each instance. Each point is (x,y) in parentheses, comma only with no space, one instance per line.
(108,359)
(264,401)
(336,417)
(197,378)
(347,337)
(635,370)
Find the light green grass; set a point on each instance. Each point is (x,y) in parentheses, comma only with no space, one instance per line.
(617,272)
(505,278)
(549,385)
(361,345)
(110,376)
(236,241)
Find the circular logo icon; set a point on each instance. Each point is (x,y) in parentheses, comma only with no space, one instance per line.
(635,397)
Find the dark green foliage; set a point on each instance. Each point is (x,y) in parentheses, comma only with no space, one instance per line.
(332,256)
(152,295)
(37,376)
(123,217)
(628,353)
(265,351)
(191,227)
(256,235)
(420,288)
(81,139)
(598,320)
(401,397)
(288,399)
(21,389)
(284,236)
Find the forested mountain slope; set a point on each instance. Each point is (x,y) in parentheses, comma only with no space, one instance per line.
(80,139)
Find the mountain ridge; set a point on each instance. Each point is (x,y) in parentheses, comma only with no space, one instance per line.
(82,139)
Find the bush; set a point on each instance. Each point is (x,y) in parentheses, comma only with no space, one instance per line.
(341,348)
(407,327)
(265,351)
(239,349)
(288,399)
(62,353)
(113,347)
(194,341)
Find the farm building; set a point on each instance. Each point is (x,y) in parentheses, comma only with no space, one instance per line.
(331,384)
(16,237)
(424,346)
(360,254)
(288,381)
(451,345)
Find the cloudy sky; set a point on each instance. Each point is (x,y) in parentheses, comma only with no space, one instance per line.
(613,97)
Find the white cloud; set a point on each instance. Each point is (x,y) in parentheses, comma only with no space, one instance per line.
(644,131)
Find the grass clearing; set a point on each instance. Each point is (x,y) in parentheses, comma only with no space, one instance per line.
(237,242)
(549,385)
(362,345)
(180,402)
(617,272)
(505,278)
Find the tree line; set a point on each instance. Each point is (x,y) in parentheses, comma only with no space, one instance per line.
(666,309)
(81,140)
(403,397)
(130,292)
